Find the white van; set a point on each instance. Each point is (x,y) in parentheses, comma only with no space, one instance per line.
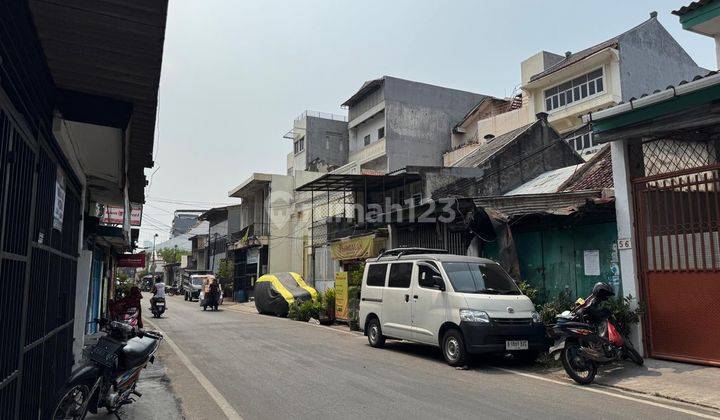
(464,305)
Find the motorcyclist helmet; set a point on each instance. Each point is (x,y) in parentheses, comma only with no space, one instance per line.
(603,291)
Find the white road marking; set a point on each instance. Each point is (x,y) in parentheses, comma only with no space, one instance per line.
(209,387)
(612,394)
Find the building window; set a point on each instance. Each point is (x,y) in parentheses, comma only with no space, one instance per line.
(574,90)
(582,142)
(367,139)
(299,145)
(381,133)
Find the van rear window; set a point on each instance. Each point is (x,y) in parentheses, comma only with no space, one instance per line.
(376,275)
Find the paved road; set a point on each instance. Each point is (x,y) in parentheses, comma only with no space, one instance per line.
(271,368)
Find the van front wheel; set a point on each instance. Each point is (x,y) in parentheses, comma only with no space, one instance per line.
(453,348)
(374,333)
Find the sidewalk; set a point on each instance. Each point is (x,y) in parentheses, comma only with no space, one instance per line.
(157,403)
(676,381)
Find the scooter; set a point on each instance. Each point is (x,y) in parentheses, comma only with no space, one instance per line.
(158,308)
(588,336)
(108,374)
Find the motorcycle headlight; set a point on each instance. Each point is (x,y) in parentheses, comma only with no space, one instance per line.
(471,315)
(536,317)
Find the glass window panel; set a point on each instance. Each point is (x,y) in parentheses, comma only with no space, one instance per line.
(591,86)
(578,143)
(586,140)
(565,86)
(599,85)
(562,99)
(584,91)
(595,74)
(555,101)
(548,104)
(580,80)
(576,91)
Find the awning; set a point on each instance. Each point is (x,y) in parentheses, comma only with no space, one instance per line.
(105,59)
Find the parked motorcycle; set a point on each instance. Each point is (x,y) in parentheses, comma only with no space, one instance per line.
(158,308)
(588,336)
(108,373)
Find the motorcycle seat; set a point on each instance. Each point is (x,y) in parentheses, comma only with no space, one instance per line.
(136,351)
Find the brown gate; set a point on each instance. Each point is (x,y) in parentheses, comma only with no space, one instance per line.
(677,217)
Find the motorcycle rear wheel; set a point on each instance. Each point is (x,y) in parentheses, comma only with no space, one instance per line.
(73,402)
(633,355)
(580,369)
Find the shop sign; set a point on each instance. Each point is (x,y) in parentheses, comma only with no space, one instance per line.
(59,208)
(115,215)
(341,296)
(131,260)
(353,249)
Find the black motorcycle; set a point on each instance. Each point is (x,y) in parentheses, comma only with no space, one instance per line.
(109,372)
(158,307)
(588,336)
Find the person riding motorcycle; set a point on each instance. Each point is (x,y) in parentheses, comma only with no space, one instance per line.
(119,307)
(158,292)
(213,294)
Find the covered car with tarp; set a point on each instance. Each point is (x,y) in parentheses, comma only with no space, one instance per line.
(274,293)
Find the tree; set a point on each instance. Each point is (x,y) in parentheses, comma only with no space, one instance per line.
(171,255)
(224,272)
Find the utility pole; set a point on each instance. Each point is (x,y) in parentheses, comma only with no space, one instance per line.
(153,252)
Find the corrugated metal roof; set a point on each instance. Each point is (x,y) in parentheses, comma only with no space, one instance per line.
(562,204)
(548,182)
(487,150)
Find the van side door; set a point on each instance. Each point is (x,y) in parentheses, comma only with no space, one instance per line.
(396,312)
(429,304)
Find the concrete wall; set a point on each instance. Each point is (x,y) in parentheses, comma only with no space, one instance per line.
(280,245)
(651,59)
(234,220)
(326,140)
(419,117)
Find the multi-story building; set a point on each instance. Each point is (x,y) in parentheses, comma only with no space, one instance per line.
(320,142)
(388,117)
(268,231)
(640,60)
(217,238)
(183,221)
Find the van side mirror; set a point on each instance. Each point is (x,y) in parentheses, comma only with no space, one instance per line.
(439,283)
(435,279)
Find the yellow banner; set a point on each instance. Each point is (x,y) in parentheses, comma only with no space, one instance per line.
(341,296)
(353,249)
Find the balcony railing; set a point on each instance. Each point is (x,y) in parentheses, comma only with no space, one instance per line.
(325,115)
(371,151)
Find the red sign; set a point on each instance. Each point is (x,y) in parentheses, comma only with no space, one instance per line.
(131,260)
(115,215)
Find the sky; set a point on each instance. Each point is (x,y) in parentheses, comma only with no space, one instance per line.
(237,72)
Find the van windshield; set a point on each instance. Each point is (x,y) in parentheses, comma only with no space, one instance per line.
(488,279)
(197,281)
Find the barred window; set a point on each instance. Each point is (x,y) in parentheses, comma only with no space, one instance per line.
(574,90)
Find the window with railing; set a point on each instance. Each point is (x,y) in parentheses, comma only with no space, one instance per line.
(581,141)
(575,90)
(299,145)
